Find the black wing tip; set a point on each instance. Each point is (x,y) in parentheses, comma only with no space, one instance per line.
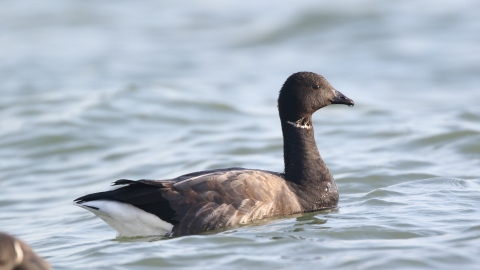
(104,195)
(123,182)
(92,207)
(131,182)
(80,200)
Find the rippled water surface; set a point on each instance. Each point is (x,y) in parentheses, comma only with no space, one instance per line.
(96,91)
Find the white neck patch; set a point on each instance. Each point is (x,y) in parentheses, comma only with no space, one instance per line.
(19,253)
(298,124)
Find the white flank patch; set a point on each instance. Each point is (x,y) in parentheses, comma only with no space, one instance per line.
(127,219)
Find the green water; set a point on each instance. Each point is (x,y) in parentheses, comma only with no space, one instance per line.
(92,92)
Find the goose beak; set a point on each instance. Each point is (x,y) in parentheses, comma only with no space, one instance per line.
(341,99)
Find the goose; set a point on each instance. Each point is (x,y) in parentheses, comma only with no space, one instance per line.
(16,255)
(212,199)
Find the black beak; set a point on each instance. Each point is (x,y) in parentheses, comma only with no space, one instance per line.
(341,99)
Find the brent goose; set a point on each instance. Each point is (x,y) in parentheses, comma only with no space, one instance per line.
(208,200)
(15,254)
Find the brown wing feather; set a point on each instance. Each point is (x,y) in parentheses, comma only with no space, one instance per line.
(228,198)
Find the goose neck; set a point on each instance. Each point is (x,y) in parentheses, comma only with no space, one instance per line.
(303,163)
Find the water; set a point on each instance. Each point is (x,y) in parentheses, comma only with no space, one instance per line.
(97,91)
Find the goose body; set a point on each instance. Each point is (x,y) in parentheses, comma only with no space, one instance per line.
(16,255)
(208,200)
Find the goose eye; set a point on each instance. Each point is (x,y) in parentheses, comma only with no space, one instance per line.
(316,86)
